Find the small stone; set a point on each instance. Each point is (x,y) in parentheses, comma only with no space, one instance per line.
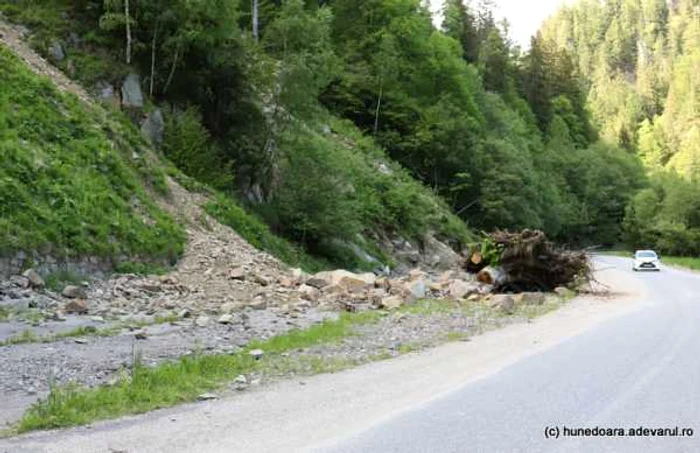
(99,319)
(391,302)
(151,287)
(502,302)
(207,397)
(256,353)
(183,314)
(58,316)
(79,307)
(237,273)
(80,341)
(261,280)
(202,321)
(74,292)
(241,379)
(286,282)
(35,280)
(141,335)
(225,319)
(258,304)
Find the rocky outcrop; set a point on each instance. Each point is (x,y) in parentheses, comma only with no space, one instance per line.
(153,127)
(132,95)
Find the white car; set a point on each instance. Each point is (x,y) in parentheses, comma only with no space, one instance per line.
(646,260)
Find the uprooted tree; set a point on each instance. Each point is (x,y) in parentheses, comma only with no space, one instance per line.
(526,261)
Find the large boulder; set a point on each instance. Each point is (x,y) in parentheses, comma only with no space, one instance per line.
(78,307)
(349,281)
(35,280)
(132,95)
(56,51)
(437,254)
(459,289)
(74,292)
(153,127)
(106,93)
(391,302)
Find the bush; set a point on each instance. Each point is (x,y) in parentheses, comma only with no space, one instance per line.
(188,145)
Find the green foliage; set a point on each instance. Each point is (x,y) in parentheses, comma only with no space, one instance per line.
(665,216)
(56,281)
(64,188)
(259,235)
(190,147)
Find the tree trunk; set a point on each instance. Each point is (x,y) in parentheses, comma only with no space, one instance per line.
(153,60)
(172,68)
(495,276)
(379,106)
(127,19)
(254,10)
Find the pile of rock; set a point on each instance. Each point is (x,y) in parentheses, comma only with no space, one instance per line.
(21,292)
(353,292)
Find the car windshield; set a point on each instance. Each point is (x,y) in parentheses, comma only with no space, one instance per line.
(646,255)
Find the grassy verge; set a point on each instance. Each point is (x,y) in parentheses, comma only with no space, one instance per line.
(143,389)
(680,261)
(27,336)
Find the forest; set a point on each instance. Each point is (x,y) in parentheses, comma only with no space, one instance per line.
(639,60)
(344,119)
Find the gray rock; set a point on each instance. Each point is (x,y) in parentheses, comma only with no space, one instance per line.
(207,397)
(241,379)
(153,127)
(438,254)
(225,319)
(459,289)
(35,280)
(56,51)
(503,303)
(202,321)
(132,95)
(418,289)
(18,280)
(74,292)
(256,353)
(106,92)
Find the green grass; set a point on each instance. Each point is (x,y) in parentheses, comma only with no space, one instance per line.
(687,262)
(75,178)
(28,336)
(5,313)
(144,389)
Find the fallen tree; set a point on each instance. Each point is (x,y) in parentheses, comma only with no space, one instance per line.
(526,261)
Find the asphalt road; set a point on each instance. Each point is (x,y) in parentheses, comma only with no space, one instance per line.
(629,362)
(639,370)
